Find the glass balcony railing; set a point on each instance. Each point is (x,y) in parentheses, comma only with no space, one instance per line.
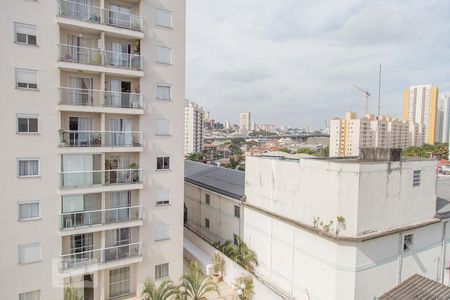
(91,14)
(80,138)
(76,179)
(93,56)
(89,97)
(100,217)
(82,257)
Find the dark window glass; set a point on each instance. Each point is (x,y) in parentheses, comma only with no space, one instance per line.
(33,125)
(23,125)
(32,40)
(21,38)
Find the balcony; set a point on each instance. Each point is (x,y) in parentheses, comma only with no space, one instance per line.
(82,258)
(80,138)
(98,98)
(96,15)
(78,179)
(108,216)
(98,57)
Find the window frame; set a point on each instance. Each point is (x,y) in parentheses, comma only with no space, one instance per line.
(207,223)
(162,62)
(417,178)
(238,209)
(19,203)
(163,85)
(27,83)
(171,18)
(164,157)
(29,244)
(26,35)
(161,266)
(164,238)
(162,202)
(156,127)
(28,117)
(19,159)
(110,283)
(207,199)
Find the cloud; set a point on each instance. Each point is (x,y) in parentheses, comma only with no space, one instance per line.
(295,62)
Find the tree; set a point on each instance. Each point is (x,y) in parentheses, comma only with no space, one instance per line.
(165,291)
(71,293)
(240,253)
(196,156)
(439,151)
(194,285)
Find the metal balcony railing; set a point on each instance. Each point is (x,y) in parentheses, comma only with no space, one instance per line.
(81,258)
(91,14)
(100,217)
(94,56)
(87,138)
(89,97)
(75,179)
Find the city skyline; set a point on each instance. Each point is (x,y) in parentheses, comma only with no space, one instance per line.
(301,71)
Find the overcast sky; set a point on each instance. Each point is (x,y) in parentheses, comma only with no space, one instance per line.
(294,62)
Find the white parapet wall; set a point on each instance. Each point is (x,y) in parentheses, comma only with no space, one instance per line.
(232,269)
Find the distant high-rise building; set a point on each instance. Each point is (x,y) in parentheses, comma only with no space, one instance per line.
(349,135)
(245,120)
(443,118)
(267,127)
(193,127)
(227,125)
(420,105)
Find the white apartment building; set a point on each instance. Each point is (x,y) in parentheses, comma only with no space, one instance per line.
(420,104)
(92,118)
(443,119)
(245,120)
(213,201)
(393,225)
(350,134)
(193,127)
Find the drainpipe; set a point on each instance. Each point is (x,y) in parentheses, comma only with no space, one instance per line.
(444,248)
(400,258)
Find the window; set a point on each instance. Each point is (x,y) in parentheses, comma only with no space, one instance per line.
(163,127)
(26,79)
(27,123)
(162,232)
(25,34)
(162,198)
(28,167)
(163,92)
(119,282)
(237,211)
(161,271)
(207,223)
(34,295)
(163,55)
(164,18)
(408,242)
(207,199)
(163,163)
(29,253)
(416,178)
(29,210)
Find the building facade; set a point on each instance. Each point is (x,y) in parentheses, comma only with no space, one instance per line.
(443,119)
(245,120)
(349,135)
(213,201)
(356,227)
(193,128)
(93,112)
(420,105)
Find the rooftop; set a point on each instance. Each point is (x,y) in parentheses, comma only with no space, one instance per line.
(221,180)
(418,287)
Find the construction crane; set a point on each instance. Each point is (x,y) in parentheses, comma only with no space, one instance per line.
(367,97)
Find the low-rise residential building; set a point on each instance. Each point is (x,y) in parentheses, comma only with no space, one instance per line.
(349,135)
(360,225)
(213,200)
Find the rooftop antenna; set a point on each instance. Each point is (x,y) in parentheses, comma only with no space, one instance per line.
(367,98)
(379,93)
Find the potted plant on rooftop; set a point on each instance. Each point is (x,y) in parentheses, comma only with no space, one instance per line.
(218,267)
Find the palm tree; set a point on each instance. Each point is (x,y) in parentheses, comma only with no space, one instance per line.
(165,291)
(244,256)
(194,285)
(71,293)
